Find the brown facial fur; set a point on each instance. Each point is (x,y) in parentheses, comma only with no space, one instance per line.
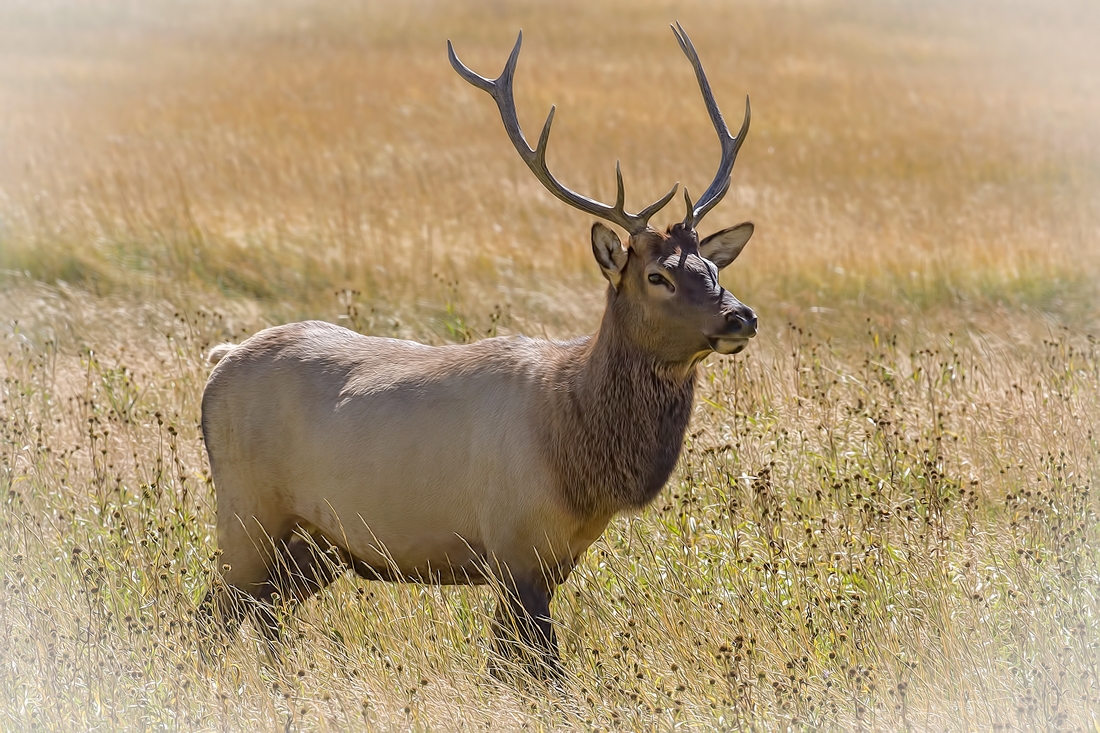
(675,322)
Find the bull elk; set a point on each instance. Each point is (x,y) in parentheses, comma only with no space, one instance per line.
(497,462)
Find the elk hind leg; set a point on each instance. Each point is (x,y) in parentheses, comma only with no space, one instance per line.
(305,563)
(244,572)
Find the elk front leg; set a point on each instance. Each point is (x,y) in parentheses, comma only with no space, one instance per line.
(523,629)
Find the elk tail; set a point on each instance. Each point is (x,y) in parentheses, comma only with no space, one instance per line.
(219,352)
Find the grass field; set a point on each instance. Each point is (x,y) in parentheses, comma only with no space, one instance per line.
(886,515)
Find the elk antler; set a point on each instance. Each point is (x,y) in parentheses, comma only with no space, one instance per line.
(730,144)
(501,91)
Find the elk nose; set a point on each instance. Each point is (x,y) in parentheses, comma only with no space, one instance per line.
(741,321)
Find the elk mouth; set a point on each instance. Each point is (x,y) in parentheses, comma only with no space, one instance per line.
(728,344)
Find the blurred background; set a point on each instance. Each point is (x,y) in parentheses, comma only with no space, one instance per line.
(936,153)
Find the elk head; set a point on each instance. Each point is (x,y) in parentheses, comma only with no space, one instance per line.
(664,290)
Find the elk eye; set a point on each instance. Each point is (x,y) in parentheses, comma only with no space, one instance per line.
(656,279)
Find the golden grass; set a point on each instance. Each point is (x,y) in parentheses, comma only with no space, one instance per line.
(884,517)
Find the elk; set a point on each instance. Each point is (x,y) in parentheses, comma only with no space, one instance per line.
(499,461)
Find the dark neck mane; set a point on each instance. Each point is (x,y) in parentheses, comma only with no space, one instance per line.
(619,422)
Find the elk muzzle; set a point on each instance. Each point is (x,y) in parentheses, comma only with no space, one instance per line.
(738,327)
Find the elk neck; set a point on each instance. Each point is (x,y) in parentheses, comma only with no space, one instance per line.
(619,417)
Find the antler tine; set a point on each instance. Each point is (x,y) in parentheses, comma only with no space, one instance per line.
(689,217)
(730,144)
(501,91)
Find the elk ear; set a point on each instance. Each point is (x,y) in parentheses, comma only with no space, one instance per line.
(722,247)
(609,252)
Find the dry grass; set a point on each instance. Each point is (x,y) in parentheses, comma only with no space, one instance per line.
(885,516)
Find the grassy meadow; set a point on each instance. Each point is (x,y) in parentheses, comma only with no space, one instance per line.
(887,512)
